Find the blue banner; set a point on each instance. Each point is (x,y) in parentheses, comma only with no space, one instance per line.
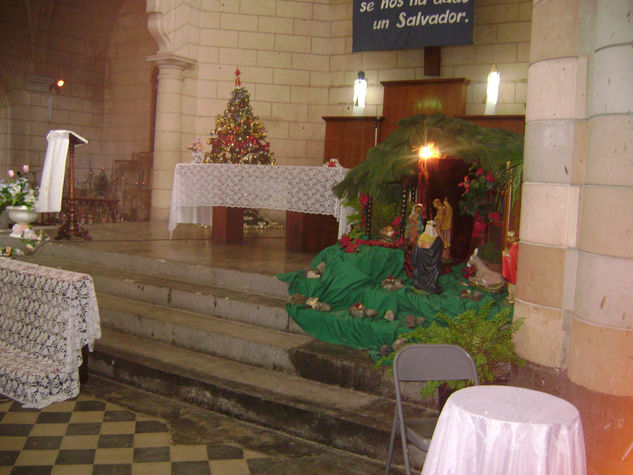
(402,24)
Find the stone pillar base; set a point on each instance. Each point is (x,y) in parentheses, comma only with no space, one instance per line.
(607,420)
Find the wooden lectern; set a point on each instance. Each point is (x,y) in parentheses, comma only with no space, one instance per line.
(71,227)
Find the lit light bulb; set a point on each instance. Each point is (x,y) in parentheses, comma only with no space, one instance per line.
(428,151)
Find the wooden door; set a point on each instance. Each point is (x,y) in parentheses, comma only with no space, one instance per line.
(349,138)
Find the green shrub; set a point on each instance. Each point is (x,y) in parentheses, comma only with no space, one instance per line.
(487,340)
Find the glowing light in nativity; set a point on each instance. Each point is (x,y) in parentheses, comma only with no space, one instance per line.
(427,151)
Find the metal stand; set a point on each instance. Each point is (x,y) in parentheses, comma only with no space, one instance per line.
(71,227)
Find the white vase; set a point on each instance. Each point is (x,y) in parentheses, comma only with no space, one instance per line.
(22,217)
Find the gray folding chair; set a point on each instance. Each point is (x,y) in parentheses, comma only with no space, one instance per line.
(424,363)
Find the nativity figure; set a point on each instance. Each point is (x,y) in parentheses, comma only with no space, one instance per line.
(426,259)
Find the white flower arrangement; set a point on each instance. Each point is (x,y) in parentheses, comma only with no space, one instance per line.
(17,191)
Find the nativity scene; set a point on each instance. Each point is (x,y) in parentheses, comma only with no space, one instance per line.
(438,283)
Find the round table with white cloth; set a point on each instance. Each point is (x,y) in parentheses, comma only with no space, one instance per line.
(504,430)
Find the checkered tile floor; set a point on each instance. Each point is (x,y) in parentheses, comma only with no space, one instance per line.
(90,436)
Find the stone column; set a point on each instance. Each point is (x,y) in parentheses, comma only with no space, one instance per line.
(555,137)
(167,135)
(600,354)
(575,271)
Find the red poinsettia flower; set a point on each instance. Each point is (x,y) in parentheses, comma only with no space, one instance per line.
(479,227)
(480,171)
(490,177)
(352,247)
(494,216)
(345,240)
(468,272)
(397,222)
(399,242)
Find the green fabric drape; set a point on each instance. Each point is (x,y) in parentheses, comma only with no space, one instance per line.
(357,277)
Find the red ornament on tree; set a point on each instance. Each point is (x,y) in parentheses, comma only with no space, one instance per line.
(238,81)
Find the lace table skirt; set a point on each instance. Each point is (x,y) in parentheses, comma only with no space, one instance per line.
(200,186)
(46,317)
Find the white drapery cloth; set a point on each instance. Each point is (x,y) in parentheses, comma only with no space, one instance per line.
(52,183)
(500,430)
(200,186)
(48,316)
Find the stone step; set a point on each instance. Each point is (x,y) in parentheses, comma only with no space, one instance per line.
(209,299)
(192,273)
(295,354)
(345,419)
(153,307)
(209,334)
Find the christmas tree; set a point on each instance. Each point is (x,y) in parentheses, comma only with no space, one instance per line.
(238,136)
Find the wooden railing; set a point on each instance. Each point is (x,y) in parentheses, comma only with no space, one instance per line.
(87,210)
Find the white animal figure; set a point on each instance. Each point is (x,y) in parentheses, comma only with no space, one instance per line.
(484,276)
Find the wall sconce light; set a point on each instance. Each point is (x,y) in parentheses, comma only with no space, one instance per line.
(360,89)
(57,85)
(492,91)
(54,89)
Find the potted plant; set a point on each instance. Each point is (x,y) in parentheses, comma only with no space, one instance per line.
(19,199)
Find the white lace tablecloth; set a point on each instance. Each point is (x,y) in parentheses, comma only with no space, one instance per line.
(200,186)
(491,430)
(46,317)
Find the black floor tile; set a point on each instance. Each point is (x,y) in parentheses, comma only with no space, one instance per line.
(53,417)
(17,407)
(75,457)
(83,428)
(112,469)
(151,454)
(190,468)
(221,452)
(115,441)
(8,457)
(43,443)
(15,429)
(32,470)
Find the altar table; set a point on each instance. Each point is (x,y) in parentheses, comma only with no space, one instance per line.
(47,316)
(503,430)
(198,187)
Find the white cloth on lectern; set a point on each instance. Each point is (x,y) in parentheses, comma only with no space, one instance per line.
(52,183)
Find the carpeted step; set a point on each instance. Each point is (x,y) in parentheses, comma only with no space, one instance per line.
(349,420)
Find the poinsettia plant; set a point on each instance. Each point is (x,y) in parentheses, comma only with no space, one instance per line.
(479,198)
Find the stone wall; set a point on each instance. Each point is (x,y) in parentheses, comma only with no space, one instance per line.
(297,63)
(51,40)
(295,57)
(128,76)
